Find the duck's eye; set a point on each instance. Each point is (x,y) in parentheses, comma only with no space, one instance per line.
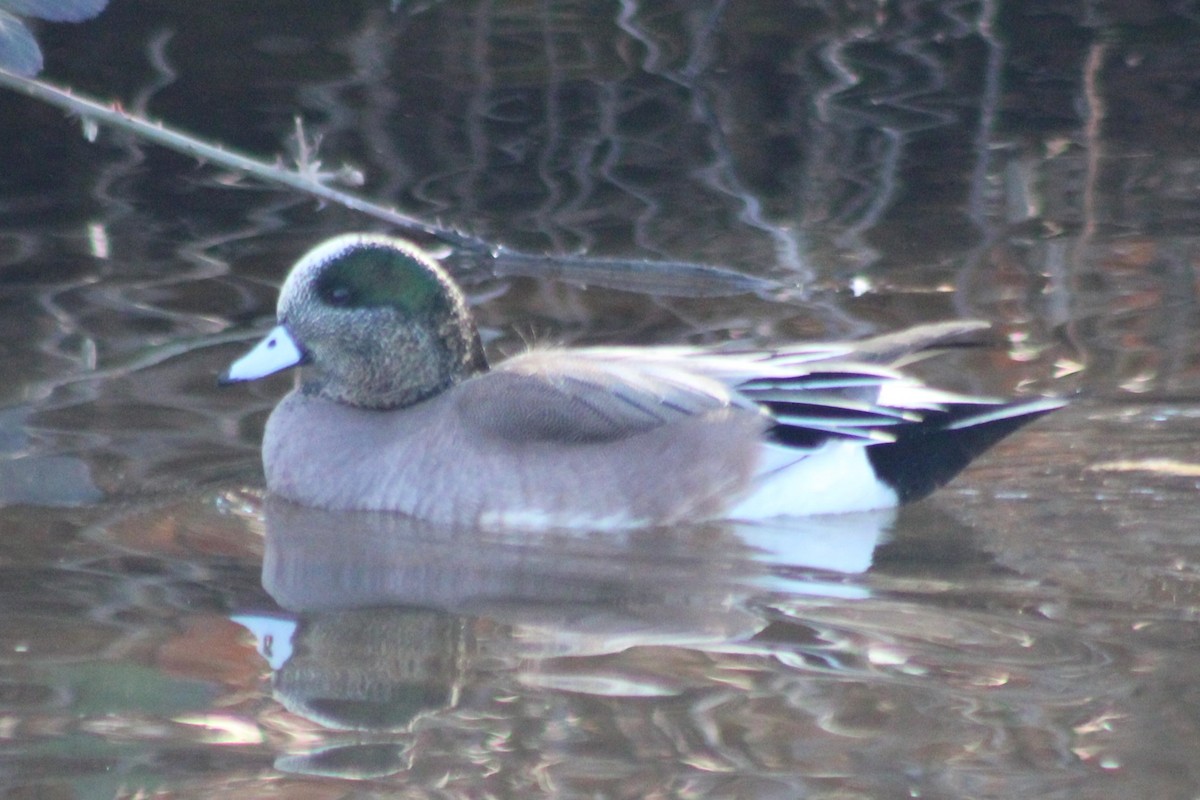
(339,296)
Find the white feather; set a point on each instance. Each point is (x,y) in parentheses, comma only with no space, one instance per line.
(835,478)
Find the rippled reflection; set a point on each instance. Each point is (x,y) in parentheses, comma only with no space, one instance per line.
(1028,632)
(703,642)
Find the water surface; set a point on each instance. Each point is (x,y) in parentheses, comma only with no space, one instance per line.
(1029,631)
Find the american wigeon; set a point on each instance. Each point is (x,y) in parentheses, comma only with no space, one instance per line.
(397,409)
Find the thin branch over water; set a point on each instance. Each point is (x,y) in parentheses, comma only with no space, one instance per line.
(654,277)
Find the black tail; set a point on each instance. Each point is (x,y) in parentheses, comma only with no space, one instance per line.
(927,454)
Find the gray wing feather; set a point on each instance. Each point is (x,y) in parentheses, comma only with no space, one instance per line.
(608,394)
(578,396)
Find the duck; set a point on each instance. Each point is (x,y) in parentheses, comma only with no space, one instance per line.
(396,408)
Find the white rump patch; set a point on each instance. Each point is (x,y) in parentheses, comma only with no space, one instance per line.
(835,478)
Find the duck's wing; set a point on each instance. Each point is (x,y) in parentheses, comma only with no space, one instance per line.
(841,390)
(829,400)
(808,394)
(896,347)
(812,392)
(577,396)
(606,394)
(734,365)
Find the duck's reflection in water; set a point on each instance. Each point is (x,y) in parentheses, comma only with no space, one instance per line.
(390,619)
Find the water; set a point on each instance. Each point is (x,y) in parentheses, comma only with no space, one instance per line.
(1029,631)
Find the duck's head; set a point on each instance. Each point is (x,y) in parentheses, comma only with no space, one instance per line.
(375,322)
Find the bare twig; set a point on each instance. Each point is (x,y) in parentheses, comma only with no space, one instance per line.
(671,278)
(304,179)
